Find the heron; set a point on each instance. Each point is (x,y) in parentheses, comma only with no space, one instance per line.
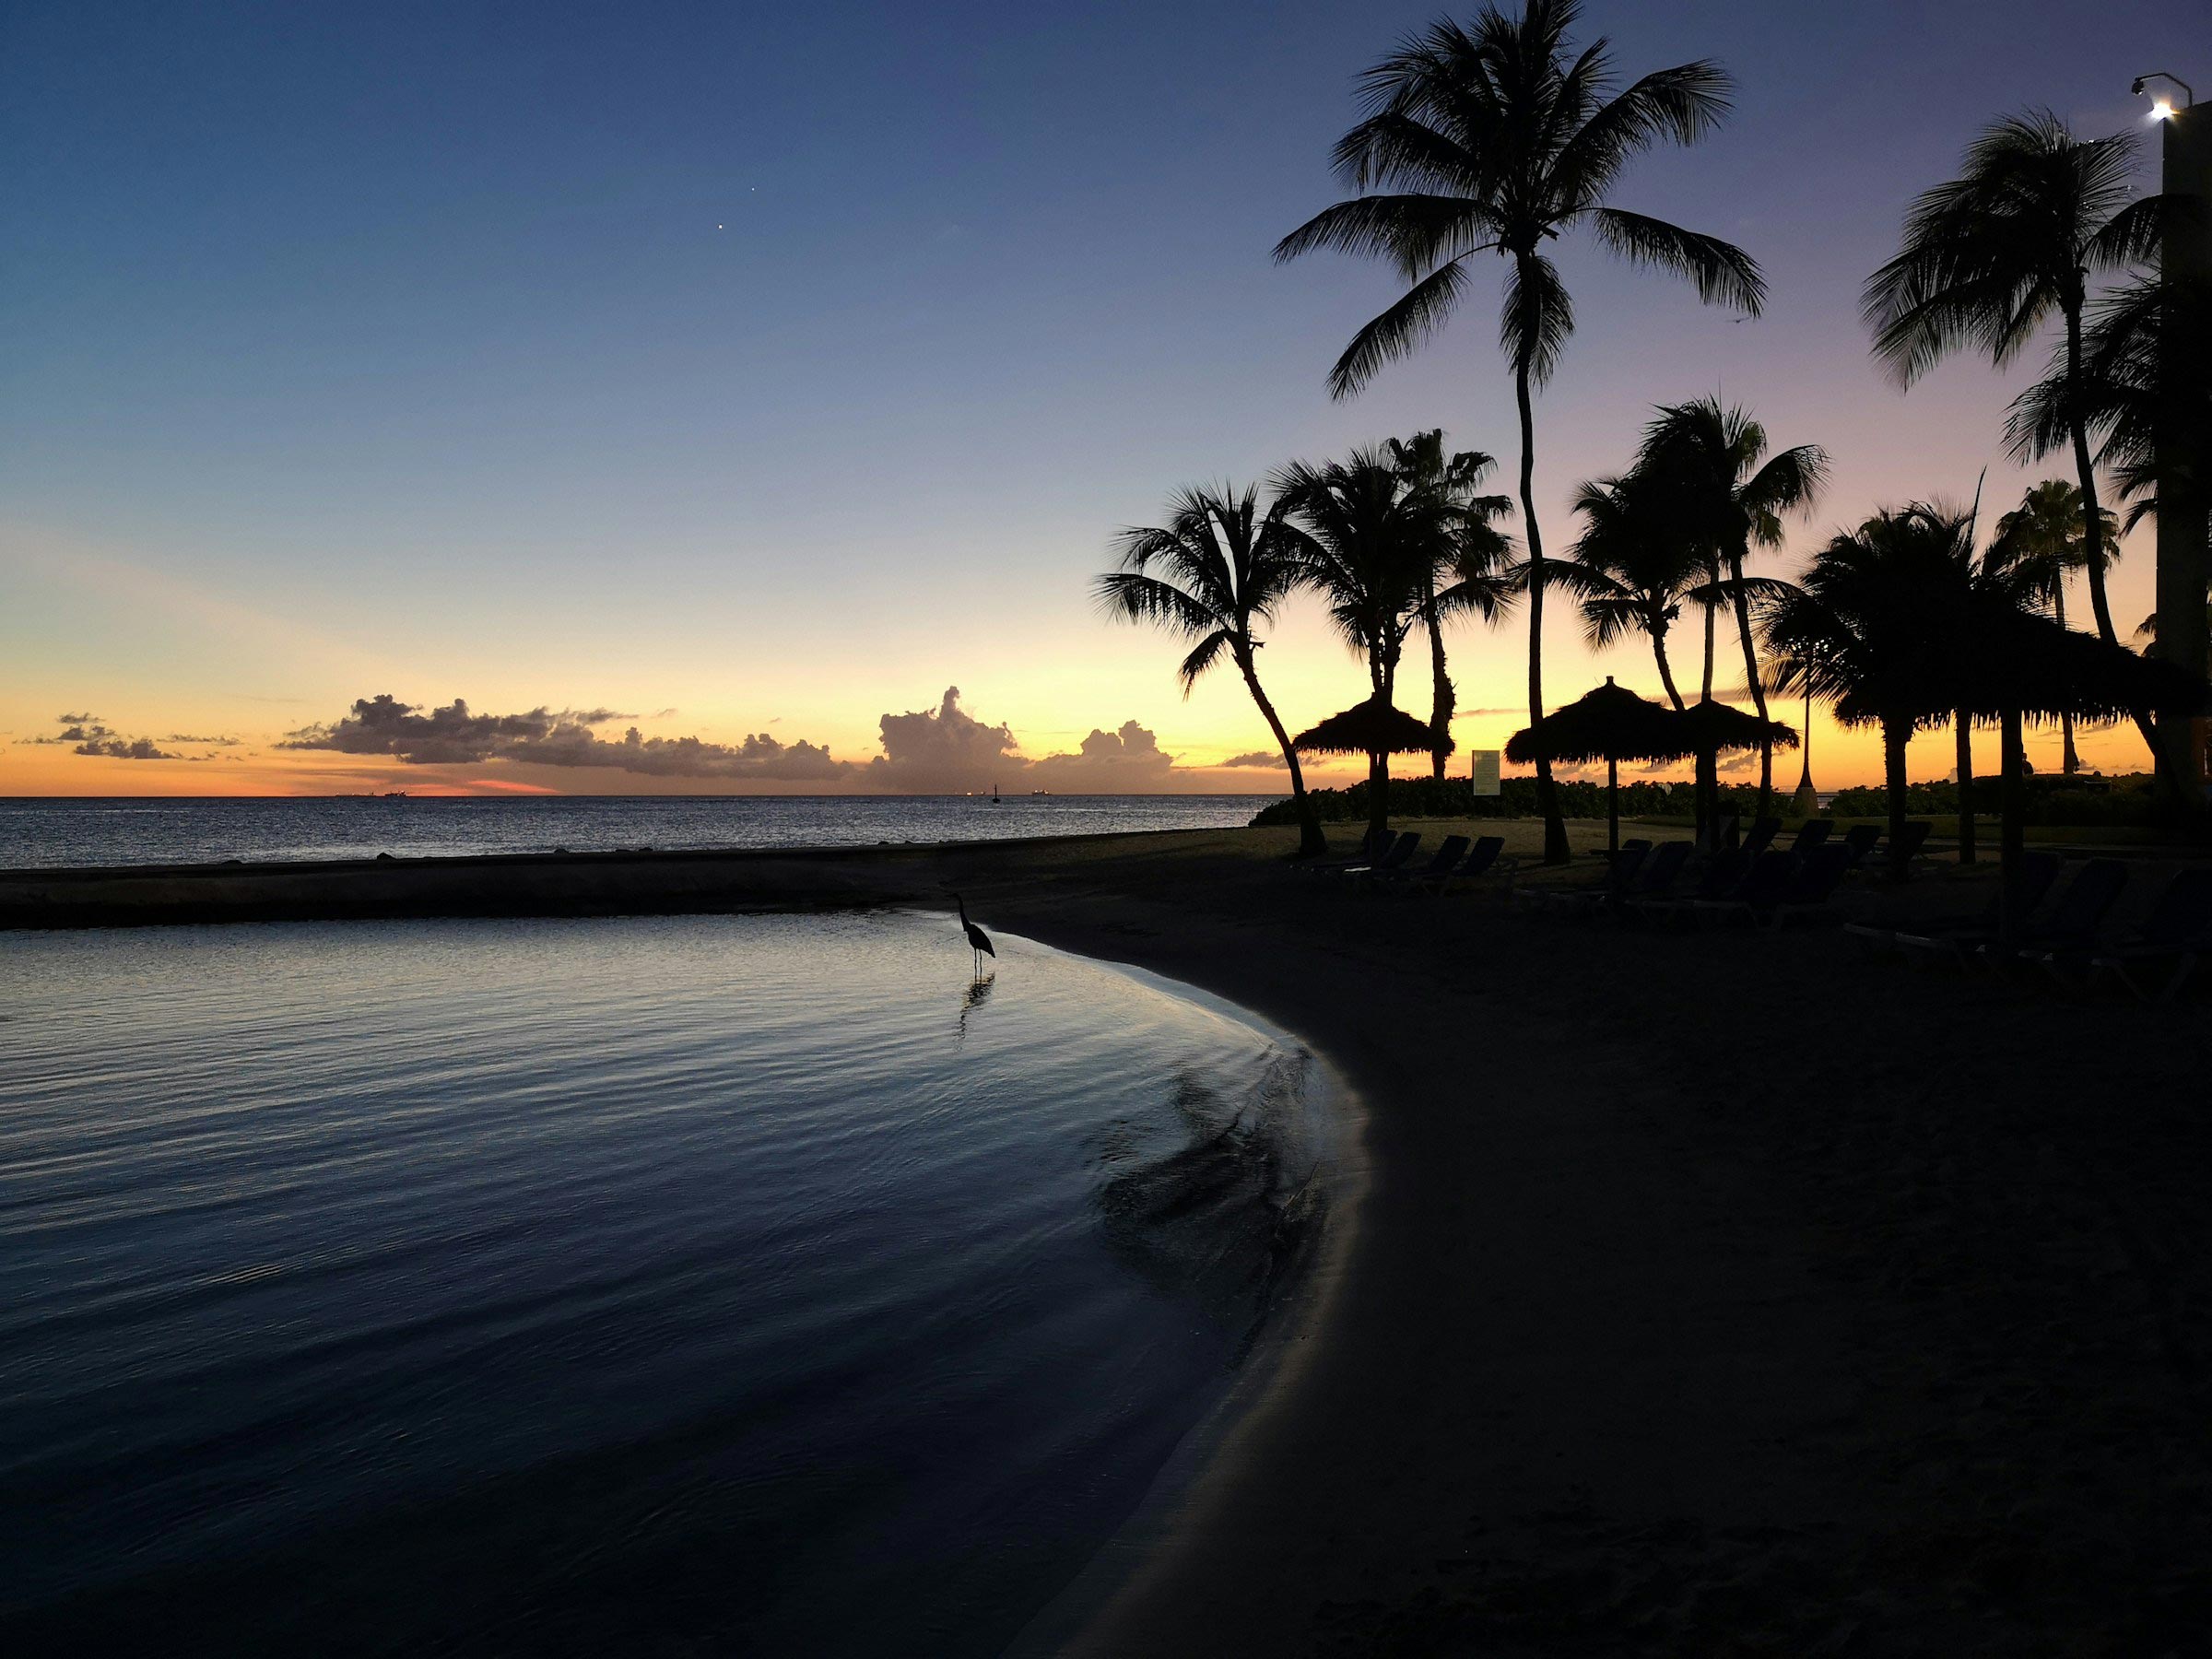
(978,940)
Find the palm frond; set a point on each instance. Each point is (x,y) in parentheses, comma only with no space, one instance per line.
(1721,271)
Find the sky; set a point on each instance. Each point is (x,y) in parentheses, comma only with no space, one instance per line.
(734,398)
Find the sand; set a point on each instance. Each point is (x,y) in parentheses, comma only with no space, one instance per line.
(1712,1293)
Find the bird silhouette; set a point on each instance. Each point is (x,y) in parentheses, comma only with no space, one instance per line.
(978,940)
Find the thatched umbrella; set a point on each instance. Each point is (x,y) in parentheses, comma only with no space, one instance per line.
(1611,724)
(1377,730)
(1709,727)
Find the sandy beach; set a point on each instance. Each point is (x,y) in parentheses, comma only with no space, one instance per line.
(1713,1292)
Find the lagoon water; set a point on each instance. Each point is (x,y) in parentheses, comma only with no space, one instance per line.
(47,833)
(731,1284)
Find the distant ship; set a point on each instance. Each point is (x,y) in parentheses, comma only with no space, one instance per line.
(995,800)
(370,794)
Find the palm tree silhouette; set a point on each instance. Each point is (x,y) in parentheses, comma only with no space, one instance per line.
(1630,568)
(1215,569)
(2045,540)
(1988,258)
(1373,544)
(1711,465)
(1872,629)
(1422,463)
(1495,138)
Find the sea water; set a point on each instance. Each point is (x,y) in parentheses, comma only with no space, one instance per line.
(46,833)
(705,1285)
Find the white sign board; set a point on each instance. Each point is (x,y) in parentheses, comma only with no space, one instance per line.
(1484,772)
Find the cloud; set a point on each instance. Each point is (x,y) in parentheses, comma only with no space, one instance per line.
(1741,763)
(218,742)
(945,750)
(85,734)
(455,734)
(1258,757)
(939,750)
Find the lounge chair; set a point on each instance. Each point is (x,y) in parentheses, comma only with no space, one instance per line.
(1811,833)
(1956,935)
(1373,842)
(1819,874)
(1481,859)
(2162,951)
(1400,851)
(1764,885)
(1620,874)
(1912,839)
(1726,831)
(1652,882)
(1760,836)
(1861,840)
(1449,852)
(2075,919)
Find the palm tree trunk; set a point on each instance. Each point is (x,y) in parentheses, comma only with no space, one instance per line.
(1548,794)
(1758,694)
(1895,736)
(1706,792)
(1612,807)
(1440,707)
(2069,761)
(1310,844)
(1378,798)
(2012,833)
(1666,676)
(1966,786)
(1706,694)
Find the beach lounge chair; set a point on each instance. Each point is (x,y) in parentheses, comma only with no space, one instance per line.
(2154,959)
(1620,874)
(1912,839)
(1807,899)
(1811,833)
(1861,840)
(1481,859)
(1449,852)
(1717,881)
(1956,935)
(1395,857)
(1373,842)
(2075,920)
(1772,876)
(1760,836)
(1652,882)
(1726,832)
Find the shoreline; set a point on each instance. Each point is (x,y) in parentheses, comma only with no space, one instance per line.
(1294,1330)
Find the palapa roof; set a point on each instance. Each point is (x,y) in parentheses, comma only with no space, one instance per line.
(1709,727)
(1609,723)
(1367,728)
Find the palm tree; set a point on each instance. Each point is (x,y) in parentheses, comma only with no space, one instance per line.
(1711,466)
(1372,542)
(2045,540)
(1874,628)
(1423,464)
(1990,256)
(1212,573)
(1494,138)
(1630,568)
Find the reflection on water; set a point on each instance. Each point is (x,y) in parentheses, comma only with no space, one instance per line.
(673,1285)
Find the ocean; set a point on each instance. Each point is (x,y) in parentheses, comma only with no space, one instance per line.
(49,833)
(715,1284)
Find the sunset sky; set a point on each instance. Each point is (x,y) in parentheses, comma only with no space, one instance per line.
(750,374)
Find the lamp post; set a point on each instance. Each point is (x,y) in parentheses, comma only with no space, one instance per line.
(2182,439)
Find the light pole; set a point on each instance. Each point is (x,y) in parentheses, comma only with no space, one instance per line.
(2181,431)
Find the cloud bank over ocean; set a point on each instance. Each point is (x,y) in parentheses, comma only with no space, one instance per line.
(939,750)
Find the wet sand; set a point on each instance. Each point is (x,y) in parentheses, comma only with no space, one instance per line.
(1713,1293)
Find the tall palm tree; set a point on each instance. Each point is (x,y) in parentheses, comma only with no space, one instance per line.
(1495,138)
(1712,465)
(1216,570)
(1372,542)
(2046,540)
(1423,464)
(1874,628)
(1990,256)
(1630,568)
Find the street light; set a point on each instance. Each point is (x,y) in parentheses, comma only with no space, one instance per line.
(2162,109)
